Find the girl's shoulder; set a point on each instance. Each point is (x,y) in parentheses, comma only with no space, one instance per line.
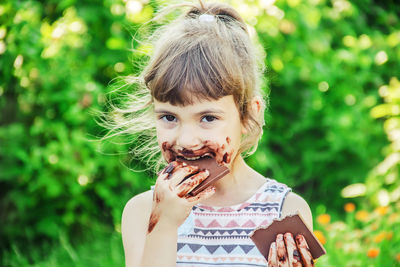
(137,210)
(139,202)
(296,204)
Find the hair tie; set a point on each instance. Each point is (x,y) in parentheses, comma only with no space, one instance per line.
(206,18)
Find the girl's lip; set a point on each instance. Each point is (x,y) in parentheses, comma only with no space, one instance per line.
(187,153)
(194,155)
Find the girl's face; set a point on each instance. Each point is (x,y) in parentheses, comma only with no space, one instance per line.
(206,128)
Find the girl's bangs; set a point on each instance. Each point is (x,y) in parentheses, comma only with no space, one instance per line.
(191,77)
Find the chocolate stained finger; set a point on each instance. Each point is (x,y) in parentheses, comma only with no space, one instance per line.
(216,172)
(169,168)
(191,182)
(304,251)
(272,255)
(292,250)
(205,192)
(296,255)
(281,251)
(181,171)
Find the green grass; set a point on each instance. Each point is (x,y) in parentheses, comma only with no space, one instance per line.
(100,247)
(363,237)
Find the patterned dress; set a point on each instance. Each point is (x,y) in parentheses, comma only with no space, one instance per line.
(218,236)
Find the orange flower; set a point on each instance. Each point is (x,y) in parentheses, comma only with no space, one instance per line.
(324,219)
(382,210)
(373,252)
(339,244)
(374,226)
(362,215)
(389,235)
(398,257)
(393,217)
(349,207)
(320,237)
(379,237)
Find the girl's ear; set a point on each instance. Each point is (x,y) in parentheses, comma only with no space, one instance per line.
(256,105)
(255,109)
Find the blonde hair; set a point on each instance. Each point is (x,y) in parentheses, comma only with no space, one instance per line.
(193,59)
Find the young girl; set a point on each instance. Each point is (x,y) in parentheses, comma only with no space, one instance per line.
(202,92)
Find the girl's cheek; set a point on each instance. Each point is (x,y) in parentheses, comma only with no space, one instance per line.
(166,151)
(164,135)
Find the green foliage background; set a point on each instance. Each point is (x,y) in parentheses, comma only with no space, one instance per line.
(328,64)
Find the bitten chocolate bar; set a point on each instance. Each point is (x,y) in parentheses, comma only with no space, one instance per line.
(264,236)
(216,172)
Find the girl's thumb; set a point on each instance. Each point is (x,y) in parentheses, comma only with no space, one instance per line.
(206,193)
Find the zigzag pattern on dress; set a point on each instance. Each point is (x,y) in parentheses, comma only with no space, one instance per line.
(219,235)
(252,207)
(212,248)
(195,260)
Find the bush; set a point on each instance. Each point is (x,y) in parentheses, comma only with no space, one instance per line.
(56,64)
(326,61)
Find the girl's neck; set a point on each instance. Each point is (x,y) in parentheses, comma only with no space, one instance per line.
(237,186)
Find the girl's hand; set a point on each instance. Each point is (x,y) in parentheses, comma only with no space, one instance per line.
(285,252)
(171,202)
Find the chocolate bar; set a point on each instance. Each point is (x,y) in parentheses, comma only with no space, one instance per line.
(216,172)
(264,236)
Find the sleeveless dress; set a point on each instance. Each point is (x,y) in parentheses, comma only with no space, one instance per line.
(218,236)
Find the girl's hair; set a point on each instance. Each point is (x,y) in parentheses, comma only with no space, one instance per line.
(194,58)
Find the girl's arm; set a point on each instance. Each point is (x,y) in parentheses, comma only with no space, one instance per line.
(156,249)
(150,220)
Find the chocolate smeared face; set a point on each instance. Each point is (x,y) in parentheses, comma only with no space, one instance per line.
(205,131)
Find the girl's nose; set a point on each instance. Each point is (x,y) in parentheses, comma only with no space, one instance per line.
(188,139)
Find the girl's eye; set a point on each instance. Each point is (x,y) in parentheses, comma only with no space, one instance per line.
(168,118)
(208,118)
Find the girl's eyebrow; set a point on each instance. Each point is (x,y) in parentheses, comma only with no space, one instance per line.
(207,111)
(164,111)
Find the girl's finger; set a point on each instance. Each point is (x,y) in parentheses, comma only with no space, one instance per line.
(293,254)
(304,251)
(272,256)
(281,252)
(206,193)
(165,174)
(179,173)
(162,180)
(168,169)
(190,183)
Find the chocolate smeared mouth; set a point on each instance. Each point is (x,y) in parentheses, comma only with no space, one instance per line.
(194,157)
(220,153)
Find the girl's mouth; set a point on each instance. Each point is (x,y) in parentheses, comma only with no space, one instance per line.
(210,150)
(192,157)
